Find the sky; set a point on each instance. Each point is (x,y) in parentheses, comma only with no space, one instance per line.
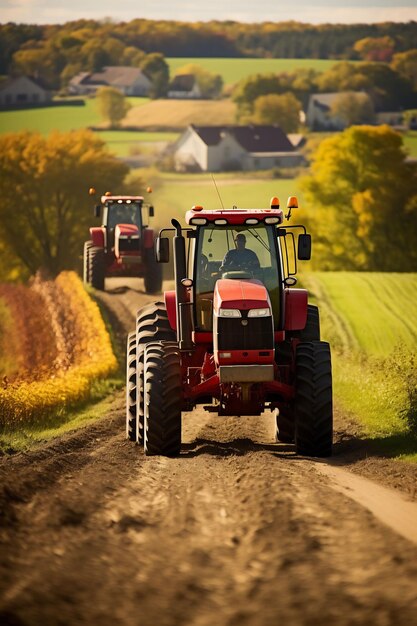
(308,11)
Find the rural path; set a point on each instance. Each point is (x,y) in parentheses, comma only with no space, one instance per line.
(236,531)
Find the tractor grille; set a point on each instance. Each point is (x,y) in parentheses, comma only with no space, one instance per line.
(258,334)
(129,245)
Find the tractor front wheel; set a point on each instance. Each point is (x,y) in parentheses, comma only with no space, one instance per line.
(153,272)
(313,400)
(162,400)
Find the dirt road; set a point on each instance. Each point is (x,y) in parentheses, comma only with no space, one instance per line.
(237,531)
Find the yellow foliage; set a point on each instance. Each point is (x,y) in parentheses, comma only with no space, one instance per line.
(34,401)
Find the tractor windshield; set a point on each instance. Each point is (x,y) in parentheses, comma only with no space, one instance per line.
(123,213)
(235,252)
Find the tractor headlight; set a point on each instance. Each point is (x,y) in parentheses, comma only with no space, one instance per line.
(259,312)
(229,313)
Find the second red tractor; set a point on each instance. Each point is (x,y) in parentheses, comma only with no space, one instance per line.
(122,245)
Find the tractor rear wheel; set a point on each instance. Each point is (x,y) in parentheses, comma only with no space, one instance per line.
(151,325)
(152,273)
(86,273)
(313,400)
(284,425)
(131,389)
(162,383)
(96,268)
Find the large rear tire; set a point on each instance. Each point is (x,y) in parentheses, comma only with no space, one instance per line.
(153,272)
(311,332)
(131,387)
(163,397)
(96,267)
(313,400)
(151,325)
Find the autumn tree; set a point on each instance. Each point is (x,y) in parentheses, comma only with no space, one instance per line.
(364,195)
(375,48)
(157,69)
(405,63)
(353,108)
(283,110)
(112,105)
(45,211)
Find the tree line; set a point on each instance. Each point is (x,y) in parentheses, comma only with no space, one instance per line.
(58,52)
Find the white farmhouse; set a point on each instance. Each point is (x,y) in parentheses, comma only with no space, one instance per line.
(131,81)
(220,148)
(22,91)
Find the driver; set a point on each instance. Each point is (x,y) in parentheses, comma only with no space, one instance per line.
(240,258)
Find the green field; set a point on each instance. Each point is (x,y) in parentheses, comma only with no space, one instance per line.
(370,320)
(410,142)
(127,143)
(233,70)
(63,118)
(174,194)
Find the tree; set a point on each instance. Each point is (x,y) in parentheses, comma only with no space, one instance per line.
(45,211)
(405,63)
(282,110)
(364,194)
(157,69)
(375,48)
(210,84)
(251,88)
(112,104)
(354,108)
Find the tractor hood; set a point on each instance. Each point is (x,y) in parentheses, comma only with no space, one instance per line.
(126,240)
(240,294)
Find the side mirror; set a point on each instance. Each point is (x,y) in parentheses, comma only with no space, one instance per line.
(304,247)
(151,211)
(97,210)
(162,249)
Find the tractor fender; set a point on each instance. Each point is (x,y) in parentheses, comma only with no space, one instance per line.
(171,305)
(148,237)
(97,236)
(295,302)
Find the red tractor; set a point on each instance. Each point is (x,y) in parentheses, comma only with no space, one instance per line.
(235,335)
(123,245)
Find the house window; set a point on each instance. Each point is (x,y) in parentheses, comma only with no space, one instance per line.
(277,162)
(256,163)
(21,97)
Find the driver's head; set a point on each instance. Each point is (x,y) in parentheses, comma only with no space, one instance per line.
(240,241)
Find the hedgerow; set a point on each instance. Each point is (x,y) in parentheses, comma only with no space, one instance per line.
(84,355)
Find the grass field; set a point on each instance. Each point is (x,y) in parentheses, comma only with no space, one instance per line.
(410,142)
(174,194)
(63,118)
(126,143)
(370,320)
(180,113)
(233,70)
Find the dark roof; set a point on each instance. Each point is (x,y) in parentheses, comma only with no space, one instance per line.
(7,82)
(262,138)
(182,82)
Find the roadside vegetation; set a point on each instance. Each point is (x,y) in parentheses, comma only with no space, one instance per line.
(62,350)
(370,320)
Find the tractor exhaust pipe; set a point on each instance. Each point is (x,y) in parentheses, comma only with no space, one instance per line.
(183,306)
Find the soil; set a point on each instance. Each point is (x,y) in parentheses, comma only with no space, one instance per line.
(236,531)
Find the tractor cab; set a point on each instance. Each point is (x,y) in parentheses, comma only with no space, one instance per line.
(118,211)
